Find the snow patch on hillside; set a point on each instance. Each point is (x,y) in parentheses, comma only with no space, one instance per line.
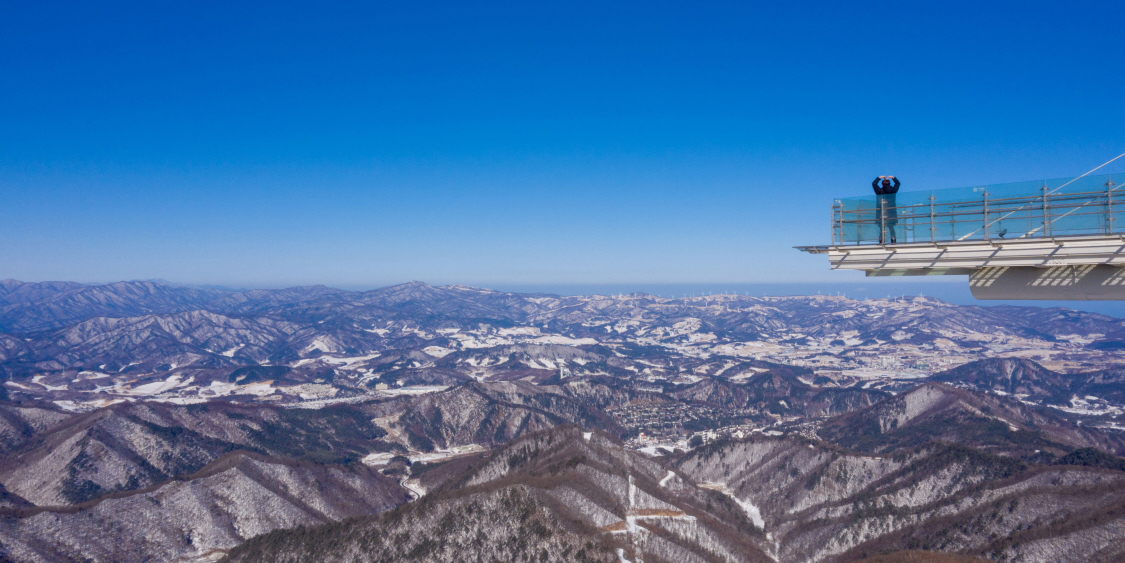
(748,507)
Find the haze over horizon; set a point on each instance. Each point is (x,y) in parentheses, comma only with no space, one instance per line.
(507,145)
(950,289)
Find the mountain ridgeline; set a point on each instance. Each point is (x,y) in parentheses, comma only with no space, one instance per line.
(150,421)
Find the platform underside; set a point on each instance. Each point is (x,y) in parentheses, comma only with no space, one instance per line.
(1070,268)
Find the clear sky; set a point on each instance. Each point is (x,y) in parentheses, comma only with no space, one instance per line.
(360,144)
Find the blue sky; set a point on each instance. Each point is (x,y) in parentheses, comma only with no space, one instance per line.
(361,144)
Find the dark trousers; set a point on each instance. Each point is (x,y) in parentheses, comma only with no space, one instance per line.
(886,215)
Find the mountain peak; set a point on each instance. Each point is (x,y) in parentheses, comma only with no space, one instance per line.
(1011,376)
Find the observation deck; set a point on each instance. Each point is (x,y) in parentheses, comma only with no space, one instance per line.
(1051,239)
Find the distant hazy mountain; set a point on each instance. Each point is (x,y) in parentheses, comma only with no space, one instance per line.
(147,327)
(61,304)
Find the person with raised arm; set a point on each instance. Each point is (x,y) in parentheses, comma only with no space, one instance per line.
(886,210)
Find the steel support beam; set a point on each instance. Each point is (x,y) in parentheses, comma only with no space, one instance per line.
(1082,283)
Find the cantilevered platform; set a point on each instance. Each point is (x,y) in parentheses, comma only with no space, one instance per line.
(1057,239)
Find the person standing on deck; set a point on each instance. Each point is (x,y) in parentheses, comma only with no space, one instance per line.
(886,212)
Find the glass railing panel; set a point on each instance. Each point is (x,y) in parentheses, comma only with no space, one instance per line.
(1088,205)
(858,220)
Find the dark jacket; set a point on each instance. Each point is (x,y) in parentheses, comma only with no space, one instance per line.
(887,194)
(889,190)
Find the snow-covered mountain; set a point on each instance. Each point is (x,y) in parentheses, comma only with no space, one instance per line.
(272,425)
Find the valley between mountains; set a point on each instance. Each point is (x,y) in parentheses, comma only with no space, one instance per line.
(150,421)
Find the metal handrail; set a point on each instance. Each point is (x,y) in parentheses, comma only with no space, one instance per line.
(983,216)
